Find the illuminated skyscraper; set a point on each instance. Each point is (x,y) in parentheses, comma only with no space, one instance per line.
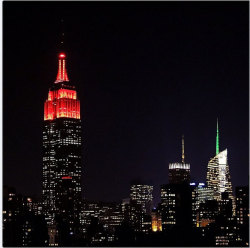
(242,205)
(179,172)
(242,214)
(138,211)
(176,205)
(218,176)
(200,194)
(142,194)
(61,189)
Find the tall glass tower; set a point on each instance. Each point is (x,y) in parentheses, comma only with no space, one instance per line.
(61,183)
(218,175)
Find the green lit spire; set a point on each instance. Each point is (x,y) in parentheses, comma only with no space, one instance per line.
(217,139)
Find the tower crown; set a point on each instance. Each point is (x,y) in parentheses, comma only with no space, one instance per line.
(62,101)
(62,72)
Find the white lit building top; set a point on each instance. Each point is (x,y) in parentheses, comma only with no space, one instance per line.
(182,166)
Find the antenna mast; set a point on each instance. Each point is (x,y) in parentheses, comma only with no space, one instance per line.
(183,156)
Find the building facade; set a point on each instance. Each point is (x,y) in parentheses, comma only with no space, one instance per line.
(23,222)
(176,205)
(108,214)
(242,214)
(142,194)
(218,176)
(207,213)
(242,205)
(200,194)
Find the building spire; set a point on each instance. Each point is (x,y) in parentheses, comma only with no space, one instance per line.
(217,139)
(62,38)
(183,156)
(62,73)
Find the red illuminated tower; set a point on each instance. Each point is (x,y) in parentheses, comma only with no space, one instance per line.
(62,151)
(62,99)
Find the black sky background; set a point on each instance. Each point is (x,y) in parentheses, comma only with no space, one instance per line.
(146,73)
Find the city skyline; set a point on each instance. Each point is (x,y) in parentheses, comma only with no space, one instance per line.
(132,129)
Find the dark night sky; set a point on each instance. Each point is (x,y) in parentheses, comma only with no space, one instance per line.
(146,73)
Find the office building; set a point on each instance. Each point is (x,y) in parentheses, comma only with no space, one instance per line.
(242,205)
(142,195)
(109,215)
(218,175)
(207,213)
(176,205)
(242,215)
(62,142)
(200,194)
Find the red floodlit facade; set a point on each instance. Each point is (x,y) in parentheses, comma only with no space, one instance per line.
(62,73)
(67,177)
(61,102)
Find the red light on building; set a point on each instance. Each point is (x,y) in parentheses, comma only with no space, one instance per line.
(67,177)
(62,102)
(62,73)
(62,55)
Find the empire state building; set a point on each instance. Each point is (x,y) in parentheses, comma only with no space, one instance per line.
(62,142)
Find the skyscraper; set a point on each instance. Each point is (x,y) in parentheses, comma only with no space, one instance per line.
(176,205)
(218,176)
(61,188)
(242,214)
(142,194)
(242,205)
(200,194)
(179,172)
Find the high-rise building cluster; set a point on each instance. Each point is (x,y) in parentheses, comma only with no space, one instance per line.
(188,214)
